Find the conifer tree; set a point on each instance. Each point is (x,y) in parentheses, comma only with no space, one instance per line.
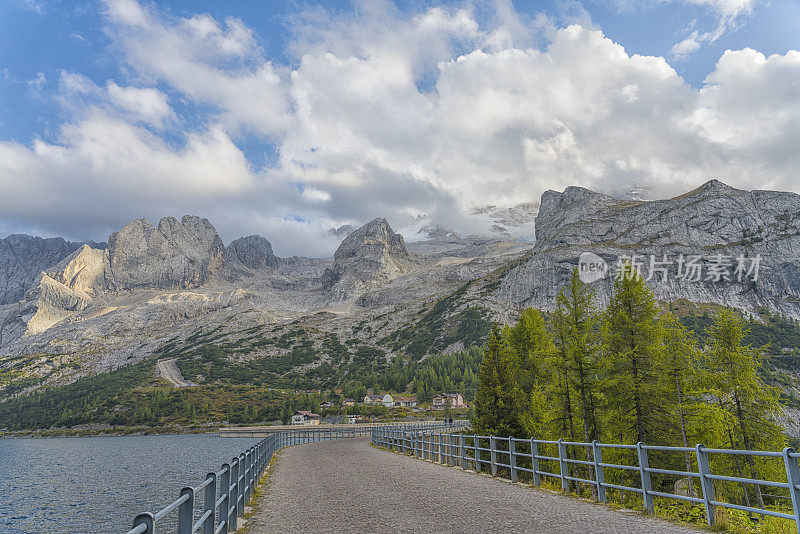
(740,391)
(632,340)
(531,346)
(497,400)
(576,330)
(678,370)
(562,405)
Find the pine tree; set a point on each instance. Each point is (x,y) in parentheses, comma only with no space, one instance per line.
(497,399)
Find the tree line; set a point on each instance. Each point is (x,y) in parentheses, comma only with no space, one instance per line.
(631,373)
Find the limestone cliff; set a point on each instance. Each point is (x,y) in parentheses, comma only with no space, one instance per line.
(372,254)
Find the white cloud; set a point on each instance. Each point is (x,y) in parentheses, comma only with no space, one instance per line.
(148,104)
(387,114)
(687,46)
(209,63)
(730,16)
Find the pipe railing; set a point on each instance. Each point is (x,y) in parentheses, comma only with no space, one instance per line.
(226,492)
(465,450)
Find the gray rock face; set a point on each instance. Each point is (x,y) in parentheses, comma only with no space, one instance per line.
(712,220)
(23,258)
(253,252)
(176,255)
(371,254)
(342,232)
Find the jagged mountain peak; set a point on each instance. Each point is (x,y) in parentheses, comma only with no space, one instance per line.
(253,251)
(372,253)
(23,257)
(176,255)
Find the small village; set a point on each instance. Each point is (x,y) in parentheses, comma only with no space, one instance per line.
(441,402)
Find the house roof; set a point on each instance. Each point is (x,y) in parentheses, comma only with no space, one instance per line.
(306,413)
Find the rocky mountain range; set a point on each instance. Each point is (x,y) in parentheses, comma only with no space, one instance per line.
(70,309)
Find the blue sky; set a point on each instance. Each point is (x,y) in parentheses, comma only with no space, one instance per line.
(286,118)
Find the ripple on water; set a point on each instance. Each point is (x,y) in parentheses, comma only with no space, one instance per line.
(97,485)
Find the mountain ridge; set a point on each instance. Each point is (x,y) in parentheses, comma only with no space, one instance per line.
(154,288)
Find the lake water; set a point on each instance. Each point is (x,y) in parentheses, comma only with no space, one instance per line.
(97,485)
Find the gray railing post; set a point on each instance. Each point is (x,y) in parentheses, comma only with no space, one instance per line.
(148,520)
(793,478)
(233,496)
(248,477)
(512,459)
(493,454)
(449,449)
(477,453)
(225,493)
(210,503)
(186,512)
(242,481)
(562,465)
(706,484)
(599,472)
(463,441)
(535,462)
(647,489)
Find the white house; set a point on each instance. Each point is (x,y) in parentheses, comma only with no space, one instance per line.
(302,417)
(376,400)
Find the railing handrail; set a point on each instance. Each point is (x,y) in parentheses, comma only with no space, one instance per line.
(227,491)
(463,449)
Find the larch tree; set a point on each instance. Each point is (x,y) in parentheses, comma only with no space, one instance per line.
(733,377)
(497,397)
(677,368)
(531,346)
(576,327)
(632,340)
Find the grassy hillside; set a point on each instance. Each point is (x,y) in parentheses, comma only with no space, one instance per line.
(234,389)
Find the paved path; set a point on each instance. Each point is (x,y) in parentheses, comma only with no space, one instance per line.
(347,486)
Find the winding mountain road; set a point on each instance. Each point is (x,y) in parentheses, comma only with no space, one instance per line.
(348,486)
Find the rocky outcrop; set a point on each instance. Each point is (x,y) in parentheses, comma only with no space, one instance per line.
(85,271)
(252,252)
(341,232)
(370,255)
(176,255)
(22,260)
(715,222)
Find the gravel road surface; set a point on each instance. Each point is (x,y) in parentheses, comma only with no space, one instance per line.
(348,486)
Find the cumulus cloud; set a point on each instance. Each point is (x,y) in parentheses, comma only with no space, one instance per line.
(383,113)
(207,62)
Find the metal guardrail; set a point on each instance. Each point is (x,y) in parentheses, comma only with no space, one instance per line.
(227,491)
(505,452)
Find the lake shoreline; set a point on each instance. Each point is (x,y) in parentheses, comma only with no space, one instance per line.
(100,432)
